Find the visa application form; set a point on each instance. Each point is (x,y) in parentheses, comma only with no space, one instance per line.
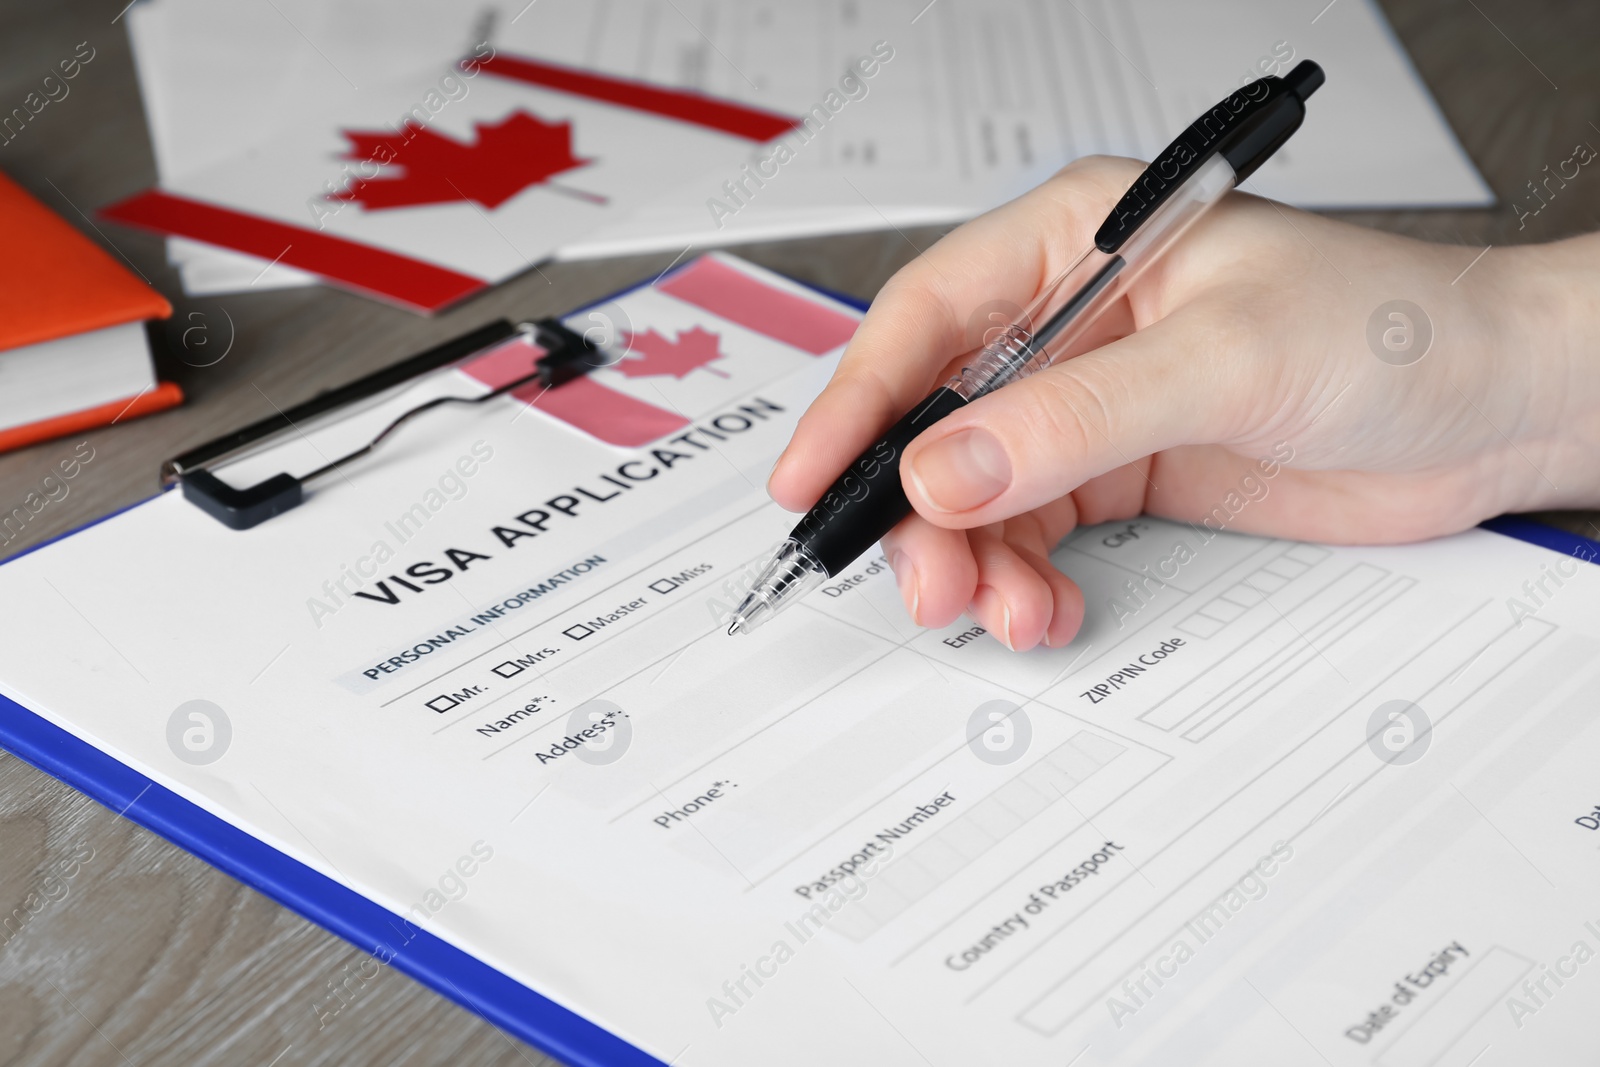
(1279,803)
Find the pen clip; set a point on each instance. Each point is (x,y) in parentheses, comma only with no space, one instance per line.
(1246,128)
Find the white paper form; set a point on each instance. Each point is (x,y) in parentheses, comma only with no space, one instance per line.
(218,78)
(983,100)
(1194,836)
(427,182)
(979,102)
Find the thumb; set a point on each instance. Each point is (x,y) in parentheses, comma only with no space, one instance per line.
(1037,440)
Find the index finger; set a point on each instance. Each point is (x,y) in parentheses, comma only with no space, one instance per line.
(929,314)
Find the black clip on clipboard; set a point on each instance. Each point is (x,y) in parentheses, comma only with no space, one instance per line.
(567,355)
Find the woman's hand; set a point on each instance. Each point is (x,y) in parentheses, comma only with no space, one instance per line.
(1249,341)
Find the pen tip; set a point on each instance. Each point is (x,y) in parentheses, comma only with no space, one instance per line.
(737,627)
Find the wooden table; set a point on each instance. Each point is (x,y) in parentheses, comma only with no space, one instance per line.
(153,957)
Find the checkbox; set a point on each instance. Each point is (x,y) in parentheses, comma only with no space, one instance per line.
(1264,581)
(509,669)
(442,703)
(665,585)
(1198,625)
(578,632)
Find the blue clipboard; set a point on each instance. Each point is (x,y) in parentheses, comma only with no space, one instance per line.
(451,972)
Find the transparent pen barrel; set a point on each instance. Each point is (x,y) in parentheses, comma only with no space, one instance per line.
(1053,326)
(1004,358)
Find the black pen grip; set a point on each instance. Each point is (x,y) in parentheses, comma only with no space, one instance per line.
(867,499)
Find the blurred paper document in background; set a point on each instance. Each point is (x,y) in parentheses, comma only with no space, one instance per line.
(426,189)
(913,114)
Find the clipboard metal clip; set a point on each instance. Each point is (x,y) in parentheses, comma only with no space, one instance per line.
(566,355)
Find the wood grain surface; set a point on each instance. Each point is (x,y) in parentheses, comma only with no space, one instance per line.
(130,951)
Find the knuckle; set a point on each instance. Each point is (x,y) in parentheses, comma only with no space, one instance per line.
(906,308)
(915,286)
(1105,177)
(1101,164)
(1026,534)
(1068,413)
(1223,327)
(1228,348)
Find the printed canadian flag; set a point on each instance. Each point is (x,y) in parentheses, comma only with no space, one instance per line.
(426,191)
(706,335)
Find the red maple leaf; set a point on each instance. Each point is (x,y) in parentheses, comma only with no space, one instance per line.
(653,354)
(503,159)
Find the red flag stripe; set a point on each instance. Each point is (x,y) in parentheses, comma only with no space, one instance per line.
(373,271)
(808,325)
(616,418)
(597,409)
(751,123)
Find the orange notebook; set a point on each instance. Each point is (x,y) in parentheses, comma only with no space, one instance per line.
(73,350)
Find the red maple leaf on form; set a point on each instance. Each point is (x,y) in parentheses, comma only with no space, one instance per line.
(654,355)
(504,159)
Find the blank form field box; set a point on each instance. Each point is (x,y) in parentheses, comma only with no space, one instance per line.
(1049,779)
(508,669)
(1310,555)
(1100,749)
(908,877)
(967,837)
(578,632)
(1213,616)
(1245,595)
(442,703)
(1462,1020)
(995,820)
(940,857)
(1023,799)
(1308,629)
(1265,581)
(958,844)
(1286,568)
(1074,761)
(1201,625)
(1225,609)
(882,901)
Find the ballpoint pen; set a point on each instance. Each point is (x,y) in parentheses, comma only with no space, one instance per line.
(1214,154)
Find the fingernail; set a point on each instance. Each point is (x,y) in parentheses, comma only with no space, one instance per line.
(905,576)
(963,471)
(986,603)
